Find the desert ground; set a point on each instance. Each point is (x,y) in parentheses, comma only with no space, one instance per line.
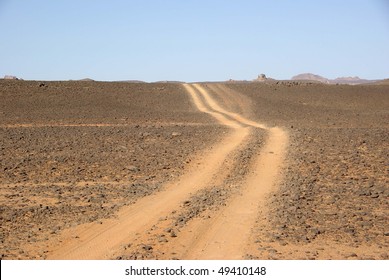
(234,170)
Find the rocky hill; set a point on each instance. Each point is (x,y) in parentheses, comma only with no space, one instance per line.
(310,77)
(341,80)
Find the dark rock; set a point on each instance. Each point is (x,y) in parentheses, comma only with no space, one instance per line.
(146,247)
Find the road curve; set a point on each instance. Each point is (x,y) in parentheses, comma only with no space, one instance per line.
(225,236)
(102,241)
(202,240)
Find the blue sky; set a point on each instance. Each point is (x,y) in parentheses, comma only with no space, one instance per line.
(193,40)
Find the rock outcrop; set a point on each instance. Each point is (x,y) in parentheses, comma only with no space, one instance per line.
(9,77)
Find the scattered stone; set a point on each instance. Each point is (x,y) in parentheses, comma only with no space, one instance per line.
(162,239)
(146,247)
(133,168)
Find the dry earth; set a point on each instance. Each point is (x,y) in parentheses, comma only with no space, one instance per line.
(333,202)
(75,152)
(286,170)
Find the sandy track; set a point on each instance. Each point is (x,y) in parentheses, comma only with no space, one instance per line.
(219,114)
(205,240)
(101,241)
(225,236)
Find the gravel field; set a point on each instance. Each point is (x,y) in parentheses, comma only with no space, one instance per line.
(75,152)
(333,202)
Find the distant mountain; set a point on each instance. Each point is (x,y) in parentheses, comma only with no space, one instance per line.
(168,82)
(132,81)
(351,80)
(310,77)
(86,80)
(341,80)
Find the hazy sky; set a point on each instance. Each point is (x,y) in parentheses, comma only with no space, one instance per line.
(193,40)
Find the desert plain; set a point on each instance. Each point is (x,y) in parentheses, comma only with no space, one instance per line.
(232,170)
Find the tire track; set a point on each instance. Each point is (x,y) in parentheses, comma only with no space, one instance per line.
(226,235)
(219,115)
(202,240)
(103,241)
(238,118)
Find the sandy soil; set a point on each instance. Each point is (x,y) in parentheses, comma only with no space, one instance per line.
(281,170)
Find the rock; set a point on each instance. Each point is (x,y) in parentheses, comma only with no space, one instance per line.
(168,230)
(146,247)
(352,255)
(145,134)
(272,251)
(283,243)
(9,77)
(133,168)
(261,78)
(162,239)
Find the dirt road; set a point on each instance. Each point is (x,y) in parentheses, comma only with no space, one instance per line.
(226,233)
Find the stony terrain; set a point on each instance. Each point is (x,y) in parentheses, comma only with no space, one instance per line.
(333,203)
(75,153)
